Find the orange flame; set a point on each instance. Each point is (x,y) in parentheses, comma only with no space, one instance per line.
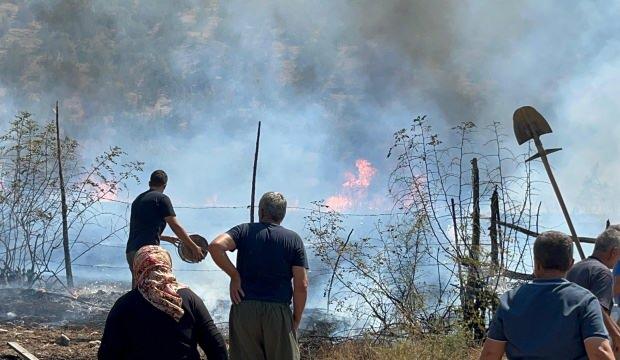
(354,189)
(365,173)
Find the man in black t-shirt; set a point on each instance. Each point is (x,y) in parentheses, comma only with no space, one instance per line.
(150,212)
(261,323)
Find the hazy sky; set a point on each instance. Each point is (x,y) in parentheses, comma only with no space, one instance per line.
(181,85)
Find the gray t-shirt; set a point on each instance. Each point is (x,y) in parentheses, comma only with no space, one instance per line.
(547,319)
(593,275)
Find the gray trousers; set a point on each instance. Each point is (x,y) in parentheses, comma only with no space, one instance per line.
(262,331)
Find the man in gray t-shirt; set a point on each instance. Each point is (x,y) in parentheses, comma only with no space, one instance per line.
(549,318)
(593,274)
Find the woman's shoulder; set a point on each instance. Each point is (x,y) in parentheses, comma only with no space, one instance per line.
(127,299)
(188,295)
(192,301)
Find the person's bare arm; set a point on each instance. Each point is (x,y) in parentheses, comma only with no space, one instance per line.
(217,249)
(493,350)
(612,329)
(171,239)
(177,229)
(300,294)
(598,349)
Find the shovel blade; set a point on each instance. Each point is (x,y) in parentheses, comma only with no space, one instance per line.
(529,123)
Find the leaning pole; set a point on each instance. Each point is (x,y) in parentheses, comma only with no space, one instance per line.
(529,124)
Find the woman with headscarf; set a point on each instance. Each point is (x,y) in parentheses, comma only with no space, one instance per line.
(160,318)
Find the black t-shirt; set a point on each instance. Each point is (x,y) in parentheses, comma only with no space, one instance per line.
(136,330)
(147,222)
(266,255)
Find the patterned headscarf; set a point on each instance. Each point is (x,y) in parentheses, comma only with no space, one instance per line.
(155,281)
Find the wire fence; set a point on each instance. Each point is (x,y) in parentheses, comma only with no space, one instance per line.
(247,207)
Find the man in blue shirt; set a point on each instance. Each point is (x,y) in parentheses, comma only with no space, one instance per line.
(550,317)
(616,273)
(269,256)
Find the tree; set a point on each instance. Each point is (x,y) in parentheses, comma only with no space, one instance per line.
(30,206)
(428,267)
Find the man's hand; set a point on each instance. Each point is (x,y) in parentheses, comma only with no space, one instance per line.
(195,252)
(218,248)
(236,293)
(296,324)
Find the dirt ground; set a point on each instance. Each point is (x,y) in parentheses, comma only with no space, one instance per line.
(41,341)
(36,318)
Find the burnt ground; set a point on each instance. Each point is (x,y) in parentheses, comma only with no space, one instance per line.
(36,318)
(40,340)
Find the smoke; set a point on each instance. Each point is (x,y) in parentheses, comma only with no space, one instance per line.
(181,85)
(105,192)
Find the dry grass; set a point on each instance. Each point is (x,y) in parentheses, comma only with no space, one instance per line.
(428,347)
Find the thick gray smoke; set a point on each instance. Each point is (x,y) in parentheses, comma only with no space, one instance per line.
(182,85)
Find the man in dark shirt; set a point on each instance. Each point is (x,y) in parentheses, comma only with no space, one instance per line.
(269,256)
(150,212)
(593,274)
(549,318)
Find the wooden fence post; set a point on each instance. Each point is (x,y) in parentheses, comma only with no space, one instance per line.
(63,200)
(254,175)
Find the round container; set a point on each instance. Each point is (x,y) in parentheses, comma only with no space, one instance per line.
(198,240)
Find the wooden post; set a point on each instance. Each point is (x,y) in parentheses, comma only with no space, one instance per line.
(254,175)
(63,200)
(475,236)
(493,228)
(475,307)
(459,257)
(456,235)
(587,240)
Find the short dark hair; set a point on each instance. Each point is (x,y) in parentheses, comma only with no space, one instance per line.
(553,250)
(158,178)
